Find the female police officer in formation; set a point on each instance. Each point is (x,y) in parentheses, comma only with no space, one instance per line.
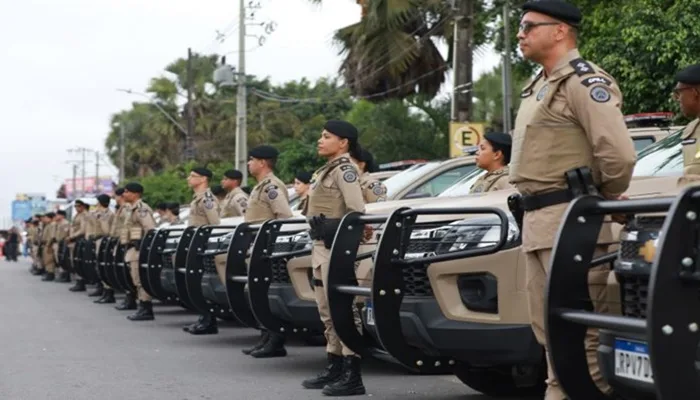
(335,191)
(373,190)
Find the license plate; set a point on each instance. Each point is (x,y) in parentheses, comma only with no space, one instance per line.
(632,361)
(369,313)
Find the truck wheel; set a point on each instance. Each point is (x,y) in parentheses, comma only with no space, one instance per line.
(500,382)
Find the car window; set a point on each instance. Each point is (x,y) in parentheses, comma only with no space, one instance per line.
(663,158)
(439,183)
(399,181)
(640,143)
(462,187)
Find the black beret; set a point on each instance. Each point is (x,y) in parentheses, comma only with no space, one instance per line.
(50,214)
(61,212)
(80,203)
(263,152)
(39,215)
(133,187)
(304,176)
(342,129)
(557,9)
(103,199)
(162,206)
(203,171)
(217,190)
(498,138)
(233,174)
(689,75)
(119,191)
(173,207)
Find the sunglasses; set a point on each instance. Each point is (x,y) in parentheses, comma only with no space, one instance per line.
(676,94)
(526,27)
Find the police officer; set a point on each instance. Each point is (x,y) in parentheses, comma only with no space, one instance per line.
(138,220)
(569,118)
(204,210)
(373,190)
(236,200)
(77,233)
(172,213)
(687,93)
(335,191)
(39,270)
(47,238)
(32,232)
(493,157)
(101,223)
(61,234)
(115,227)
(302,182)
(268,200)
(160,210)
(218,192)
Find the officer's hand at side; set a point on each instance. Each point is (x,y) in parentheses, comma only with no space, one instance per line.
(621,218)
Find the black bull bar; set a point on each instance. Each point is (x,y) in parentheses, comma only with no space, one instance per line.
(673,306)
(158,258)
(388,286)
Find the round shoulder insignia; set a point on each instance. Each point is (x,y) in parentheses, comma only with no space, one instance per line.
(349,176)
(600,94)
(542,92)
(378,190)
(143,212)
(272,194)
(208,203)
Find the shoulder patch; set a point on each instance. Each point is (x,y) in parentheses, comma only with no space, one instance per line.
(600,94)
(346,167)
(377,189)
(581,67)
(272,194)
(143,212)
(350,175)
(208,202)
(542,92)
(596,80)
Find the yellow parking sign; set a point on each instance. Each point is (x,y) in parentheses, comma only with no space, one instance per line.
(464,137)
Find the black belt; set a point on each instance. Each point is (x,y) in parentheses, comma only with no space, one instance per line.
(537,201)
(318,282)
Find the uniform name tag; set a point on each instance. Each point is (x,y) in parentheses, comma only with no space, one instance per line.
(689,141)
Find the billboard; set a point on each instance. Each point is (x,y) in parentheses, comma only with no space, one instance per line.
(89,186)
(27,204)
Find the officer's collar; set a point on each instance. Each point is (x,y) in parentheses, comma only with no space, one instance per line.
(563,67)
(200,193)
(499,171)
(346,155)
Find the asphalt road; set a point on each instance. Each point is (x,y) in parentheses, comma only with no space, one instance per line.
(55,344)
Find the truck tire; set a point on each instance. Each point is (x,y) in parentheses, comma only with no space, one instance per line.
(499,382)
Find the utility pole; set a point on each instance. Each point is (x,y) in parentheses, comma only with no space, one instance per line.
(241,105)
(82,190)
(189,149)
(462,61)
(506,71)
(97,172)
(122,158)
(75,175)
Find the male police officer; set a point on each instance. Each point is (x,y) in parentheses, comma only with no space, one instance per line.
(138,220)
(687,93)
(101,223)
(236,200)
(62,232)
(493,156)
(268,200)
(77,232)
(204,210)
(569,119)
(117,222)
(47,238)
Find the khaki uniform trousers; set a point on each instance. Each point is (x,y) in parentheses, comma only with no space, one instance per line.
(320,261)
(35,255)
(537,264)
(220,263)
(48,259)
(132,257)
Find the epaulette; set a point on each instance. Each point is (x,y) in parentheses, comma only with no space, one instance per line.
(581,67)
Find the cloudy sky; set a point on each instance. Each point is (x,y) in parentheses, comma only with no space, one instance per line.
(63,61)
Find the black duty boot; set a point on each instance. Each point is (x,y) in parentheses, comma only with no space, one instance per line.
(144,313)
(263,339)
(98,292)
(350,382)
(274,347)
(79,286)
(38,271)
(107,297)
(207,327)
(129,303)
(201,320)
(332,373)
(48,277)
(63,277)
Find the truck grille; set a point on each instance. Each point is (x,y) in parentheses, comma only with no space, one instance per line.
(415,277)
(635,293)
(280,274)
(421,246)
(168,261)
(209,265)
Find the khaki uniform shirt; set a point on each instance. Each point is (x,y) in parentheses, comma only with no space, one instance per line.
(373,190)
(268,200)
(567,120)
(138,219)
(494,180)
(49,232)
(234,204)
(102,221)
(78,225)
(62,229)
(691,148)
(118,220)
(204,209)
(335,190)
(31,233)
